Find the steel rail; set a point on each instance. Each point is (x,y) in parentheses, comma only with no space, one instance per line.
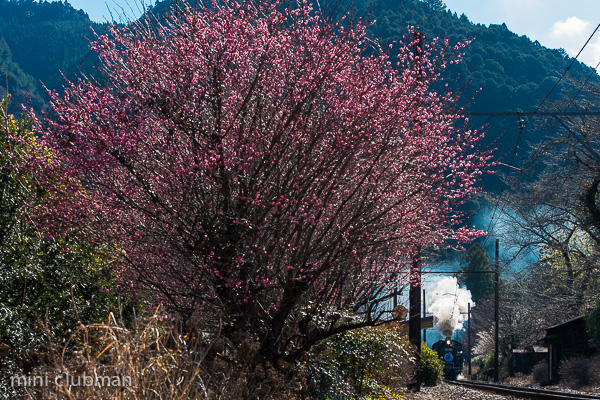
(524,392)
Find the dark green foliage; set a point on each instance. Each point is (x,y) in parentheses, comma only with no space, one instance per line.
(432,366)
(436,5)
(481,285)
(44,40)
(488,361)
(358,363)
(46,284)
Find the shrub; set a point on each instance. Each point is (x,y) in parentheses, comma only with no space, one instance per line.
(540,373)
(46,283)
(160,358)
(488,361)
(580,371)
(432,366)
(477,367)
(373,361)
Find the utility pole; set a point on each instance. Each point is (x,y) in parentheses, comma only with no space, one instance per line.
(469,337)
(468,313)
(395,299)
(424,315)
(414,322)
(496,314)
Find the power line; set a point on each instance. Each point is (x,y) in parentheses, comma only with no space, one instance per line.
(554,114)
(540,113)
(522,127)
(563,75)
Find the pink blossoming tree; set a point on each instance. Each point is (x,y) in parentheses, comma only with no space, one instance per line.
(264,167)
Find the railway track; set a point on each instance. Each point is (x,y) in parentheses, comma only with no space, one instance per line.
(523,392)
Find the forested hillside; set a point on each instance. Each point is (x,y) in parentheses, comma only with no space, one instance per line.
(501,71)
(38,42)
(512,71)
(237,201)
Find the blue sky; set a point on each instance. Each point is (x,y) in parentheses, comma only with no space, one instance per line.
(98,10)
(554,23)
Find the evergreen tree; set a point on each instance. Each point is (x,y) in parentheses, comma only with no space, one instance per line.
(58,280)
(436,5)
(480,284)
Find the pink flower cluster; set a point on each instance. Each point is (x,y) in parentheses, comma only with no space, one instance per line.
(247,157)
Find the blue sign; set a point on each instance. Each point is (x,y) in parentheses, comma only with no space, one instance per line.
(448,357)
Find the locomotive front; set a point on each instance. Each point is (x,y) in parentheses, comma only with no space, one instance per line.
(451,353)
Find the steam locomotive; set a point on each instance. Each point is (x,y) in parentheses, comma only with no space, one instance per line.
(451,353)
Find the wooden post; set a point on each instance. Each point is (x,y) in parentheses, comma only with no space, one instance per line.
(496,313)
(424,315)
(469,337)
(414,322)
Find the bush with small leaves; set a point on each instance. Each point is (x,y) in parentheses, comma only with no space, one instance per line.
(374,361)
(540,373)
(580,371)
(47,283)
(431,365)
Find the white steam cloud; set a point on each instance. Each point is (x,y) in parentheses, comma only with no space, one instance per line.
(448,302)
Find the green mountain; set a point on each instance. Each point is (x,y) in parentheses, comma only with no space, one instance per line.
(21,84)
(501,71)
(40,41)
(508,70)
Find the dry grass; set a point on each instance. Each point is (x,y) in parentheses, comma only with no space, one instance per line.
(162,358)
(159,360)
(153,362)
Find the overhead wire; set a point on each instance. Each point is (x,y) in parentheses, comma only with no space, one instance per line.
(523,126)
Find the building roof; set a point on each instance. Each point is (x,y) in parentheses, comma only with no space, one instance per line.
(569,322)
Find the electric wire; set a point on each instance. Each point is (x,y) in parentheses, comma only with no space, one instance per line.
(523,126)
